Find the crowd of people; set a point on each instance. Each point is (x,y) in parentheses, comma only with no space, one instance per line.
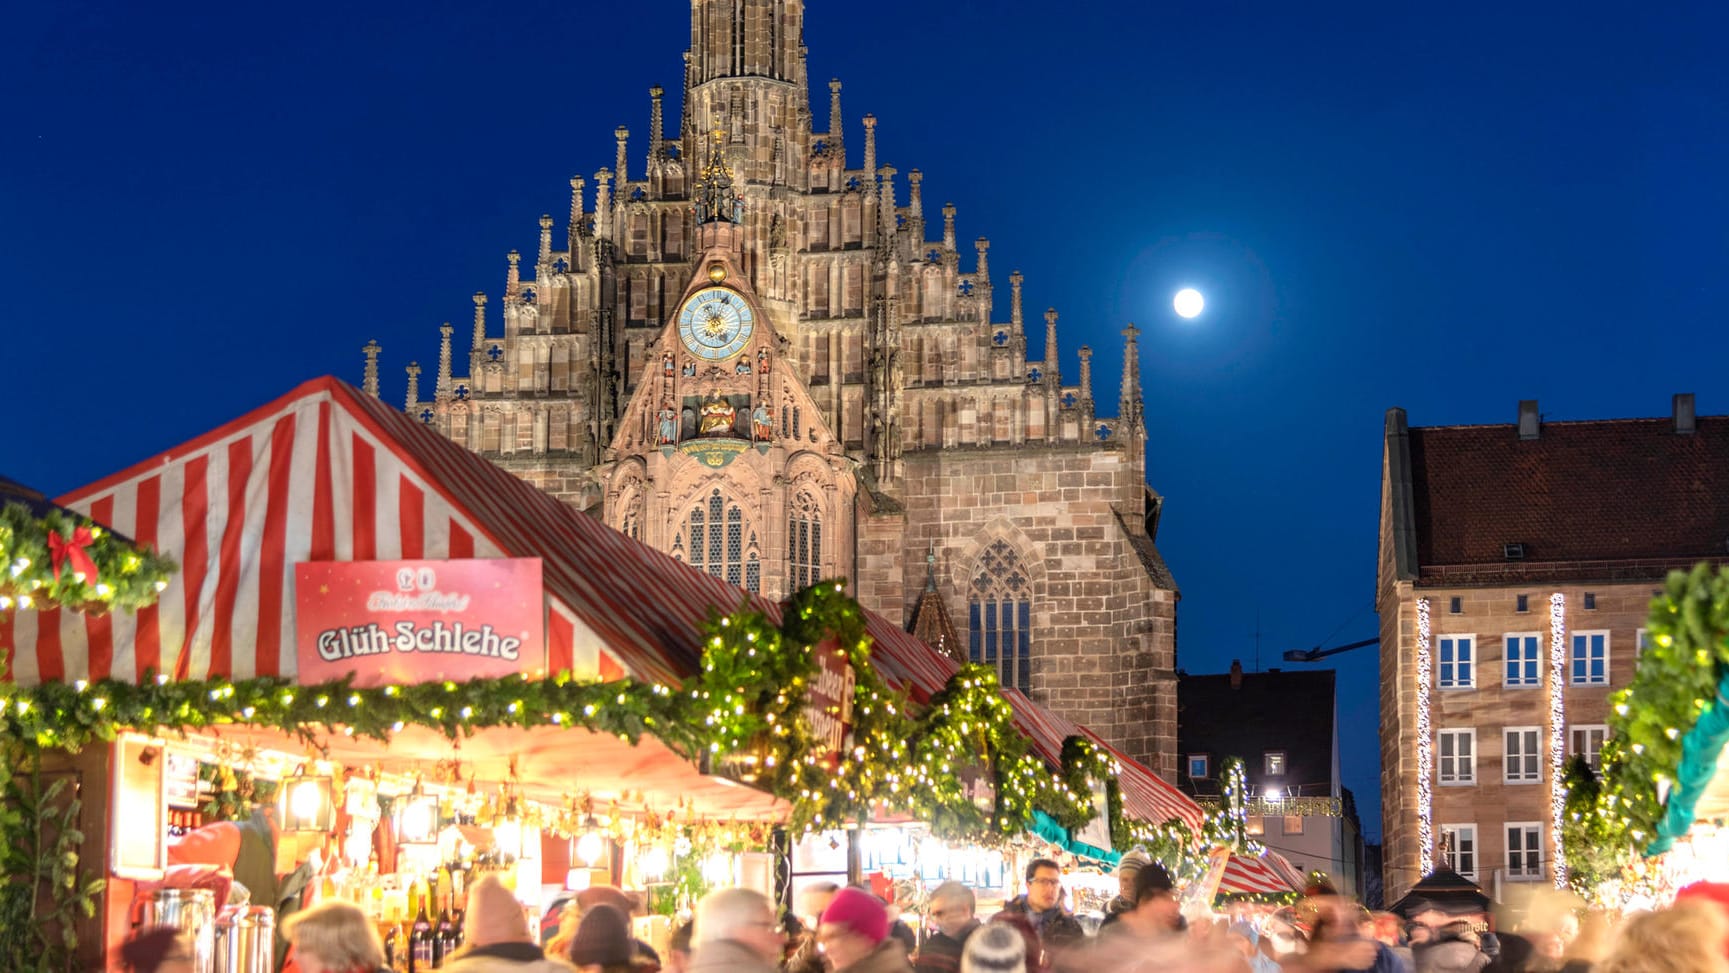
(1144,930)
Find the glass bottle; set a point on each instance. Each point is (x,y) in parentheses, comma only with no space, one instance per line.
(420,938)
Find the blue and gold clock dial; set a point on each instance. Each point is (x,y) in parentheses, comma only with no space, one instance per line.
(715,323)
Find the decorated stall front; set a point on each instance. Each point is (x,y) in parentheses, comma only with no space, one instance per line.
(431,666)
(1656,819)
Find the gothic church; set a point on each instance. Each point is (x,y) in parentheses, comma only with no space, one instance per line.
(749,355)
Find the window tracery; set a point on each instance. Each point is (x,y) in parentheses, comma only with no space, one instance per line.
(1000,615)
(804,542)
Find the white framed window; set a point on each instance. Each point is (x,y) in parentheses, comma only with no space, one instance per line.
(1590,659)
(1459,841)
(1275,762)
(1586,740)
(1521,764)
(1641,641)
(1456,753)
(1198,766)
(1524,660)
(1457,655)
(1524,851)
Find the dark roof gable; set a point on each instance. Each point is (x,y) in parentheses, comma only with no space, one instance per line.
(1625,489)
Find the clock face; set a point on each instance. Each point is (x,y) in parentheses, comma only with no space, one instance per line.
(715,323)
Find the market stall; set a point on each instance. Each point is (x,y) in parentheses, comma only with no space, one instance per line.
(367,605)
(1655,821)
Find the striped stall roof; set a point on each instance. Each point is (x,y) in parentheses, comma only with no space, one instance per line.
(328,473)
(1146,796)
(1257,876)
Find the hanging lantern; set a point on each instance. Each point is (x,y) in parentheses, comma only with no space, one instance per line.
(417,819)
(591,847)
(304,802)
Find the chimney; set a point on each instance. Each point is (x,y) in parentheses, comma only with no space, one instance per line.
(1528,419)
(1236,673)
(1686,423)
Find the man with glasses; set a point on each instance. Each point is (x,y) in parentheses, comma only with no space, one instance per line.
(951,911)
(736,932)
(1042,908)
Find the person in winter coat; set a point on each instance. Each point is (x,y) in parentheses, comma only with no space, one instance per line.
(602,943)
(334,937)
(497,939)
(854,934)
(735,932)
(951,911)
(1042,905)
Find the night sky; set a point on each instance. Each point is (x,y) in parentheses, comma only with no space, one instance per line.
(1441,207)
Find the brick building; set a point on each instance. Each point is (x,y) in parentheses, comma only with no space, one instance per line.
(747,347)
(1516,568)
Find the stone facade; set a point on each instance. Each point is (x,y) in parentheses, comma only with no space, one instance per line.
(875,416)
(1516,540)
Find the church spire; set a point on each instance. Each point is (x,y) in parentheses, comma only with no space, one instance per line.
(747,39)
(916,207)
(603,204)
(930,622)
(1051,369)
(656,134)
(369,384)
(1086,374)
(1130,408)
(512,274)
(834,119)
(442,386)
(544,259)
(479,322)
(870,148)
(413,397)
(886,206)
(622,134)
(1015,300)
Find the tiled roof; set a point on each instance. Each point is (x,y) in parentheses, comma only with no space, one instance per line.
(932,626)
(1625,490)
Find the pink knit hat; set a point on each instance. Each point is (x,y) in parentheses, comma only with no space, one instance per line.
(859,911)
(494,915)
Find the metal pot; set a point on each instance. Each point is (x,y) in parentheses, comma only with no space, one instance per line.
(193,911)
(250,944)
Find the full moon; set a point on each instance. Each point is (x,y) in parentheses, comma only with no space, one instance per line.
(1188,302)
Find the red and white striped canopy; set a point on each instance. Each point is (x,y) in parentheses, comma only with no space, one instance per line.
(328,473)
(1270,874)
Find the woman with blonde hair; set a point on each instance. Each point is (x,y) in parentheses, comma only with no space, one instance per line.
(334,937)
(1687,937)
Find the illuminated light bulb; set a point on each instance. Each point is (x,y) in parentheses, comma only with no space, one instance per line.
(304,801)
(590,847)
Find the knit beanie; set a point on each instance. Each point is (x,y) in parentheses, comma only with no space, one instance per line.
(602,939)
(995,948)
(1152,878)
(1131,863)
(859,911)
(494,915)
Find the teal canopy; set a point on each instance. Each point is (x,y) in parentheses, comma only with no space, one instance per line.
(1046,827)
(1700,749)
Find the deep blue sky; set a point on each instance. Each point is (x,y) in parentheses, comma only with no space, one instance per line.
(1442,207)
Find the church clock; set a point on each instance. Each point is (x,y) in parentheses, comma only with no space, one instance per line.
(715,323)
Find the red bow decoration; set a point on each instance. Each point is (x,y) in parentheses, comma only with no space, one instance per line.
(62,549)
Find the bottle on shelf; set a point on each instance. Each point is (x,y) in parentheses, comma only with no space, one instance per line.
(391,946)
(420,937)
(444,933)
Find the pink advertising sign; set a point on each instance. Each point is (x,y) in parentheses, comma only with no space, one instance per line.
(418,621)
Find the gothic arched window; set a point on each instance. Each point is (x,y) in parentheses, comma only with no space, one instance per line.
(804,542)
(721,542)
(999,632)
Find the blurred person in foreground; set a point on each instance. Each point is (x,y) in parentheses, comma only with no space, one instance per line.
(158,949)
(1042,906)
(1336,940)
(1690,936)
(1127,868)
(678,949)
(496,938)
(854,934)
(803,956)
(602,942)
(735,932)
(996,948)
(951,910)
(334,937)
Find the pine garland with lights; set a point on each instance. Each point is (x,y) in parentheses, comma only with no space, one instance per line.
(43,563)
(1674,686)
(745,710)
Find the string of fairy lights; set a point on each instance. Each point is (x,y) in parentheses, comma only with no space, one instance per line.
(1425,745)
(1558,730)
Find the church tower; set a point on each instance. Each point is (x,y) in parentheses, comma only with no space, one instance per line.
(759,354)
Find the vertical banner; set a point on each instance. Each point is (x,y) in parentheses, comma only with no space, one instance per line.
(401,622)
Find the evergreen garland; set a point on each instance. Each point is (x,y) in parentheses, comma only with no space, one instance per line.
(127,577)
